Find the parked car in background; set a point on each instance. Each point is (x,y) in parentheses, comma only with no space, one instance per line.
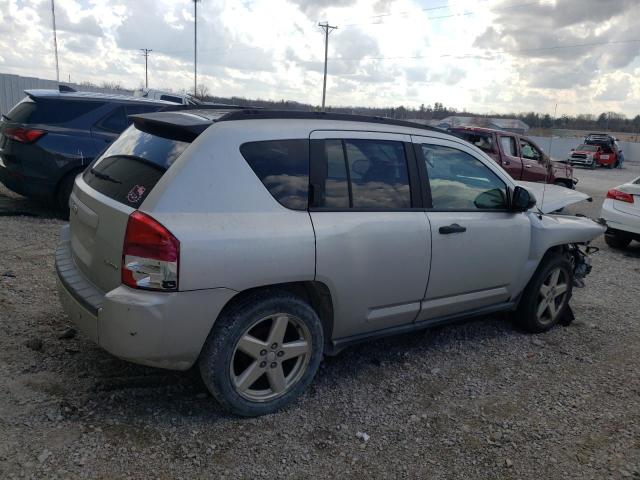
(585,155)
(598,149)
(252,242)
(179,98)
(621,211)
(518,155)
(51,136)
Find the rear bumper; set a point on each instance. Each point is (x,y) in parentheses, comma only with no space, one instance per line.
(617,220)
(158,329)
(27,186)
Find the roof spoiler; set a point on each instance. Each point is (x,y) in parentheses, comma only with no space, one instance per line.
(171,125)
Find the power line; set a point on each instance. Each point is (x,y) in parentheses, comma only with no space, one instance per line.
(146,52)
(497,52)
(439,17)
(327,30)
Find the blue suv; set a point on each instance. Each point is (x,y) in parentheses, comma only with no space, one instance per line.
(52,135)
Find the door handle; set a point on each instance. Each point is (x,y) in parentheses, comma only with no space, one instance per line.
(507,162)
(453,228)
(528,165)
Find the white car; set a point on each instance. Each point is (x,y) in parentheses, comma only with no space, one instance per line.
(621,210)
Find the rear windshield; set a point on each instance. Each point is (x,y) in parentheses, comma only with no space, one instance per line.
(50,111)
(484,141)
(129,169)
(587,148)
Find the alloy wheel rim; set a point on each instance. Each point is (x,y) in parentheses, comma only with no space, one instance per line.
(270,357)
(551,296)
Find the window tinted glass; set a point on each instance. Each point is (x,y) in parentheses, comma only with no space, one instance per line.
(283,167)
(459,181)
(378,172)
(484,141)
(171,98)
(49,111)
(114,122)
(132,165)
(135,109)
(509,146)
(336,188)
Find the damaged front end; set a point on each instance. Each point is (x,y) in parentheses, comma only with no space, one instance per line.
(580,257)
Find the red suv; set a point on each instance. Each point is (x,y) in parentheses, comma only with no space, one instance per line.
(518,155)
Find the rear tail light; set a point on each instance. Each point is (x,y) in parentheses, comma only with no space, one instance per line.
(150,255)
(23,135)
(620,196)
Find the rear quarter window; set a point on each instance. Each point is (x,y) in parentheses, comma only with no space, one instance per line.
(283,167)
(129,169)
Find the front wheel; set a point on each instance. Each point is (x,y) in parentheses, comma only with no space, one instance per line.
(547,295)
(262,353)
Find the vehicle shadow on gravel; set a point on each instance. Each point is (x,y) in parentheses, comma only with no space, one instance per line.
(155,395)
(14,205)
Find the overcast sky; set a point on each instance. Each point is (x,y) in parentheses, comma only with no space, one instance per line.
(478,55)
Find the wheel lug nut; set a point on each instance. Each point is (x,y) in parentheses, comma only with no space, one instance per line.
(280,353)
(263,364)
(274,346)
(263,352)
(274,364)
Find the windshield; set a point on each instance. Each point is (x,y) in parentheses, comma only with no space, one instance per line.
(129,169)
(587,148)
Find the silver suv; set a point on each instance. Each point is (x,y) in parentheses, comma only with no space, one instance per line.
(255,242)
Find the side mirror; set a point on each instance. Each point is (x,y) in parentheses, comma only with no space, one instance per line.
(522,200)
(573,149)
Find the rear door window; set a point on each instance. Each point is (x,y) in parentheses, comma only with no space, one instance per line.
(283,167)
(50,111)
(378,173)
(129,169)
(509,146)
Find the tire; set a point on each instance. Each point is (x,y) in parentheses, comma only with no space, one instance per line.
(63,193)
(617,240)
(535,311)
(255,326)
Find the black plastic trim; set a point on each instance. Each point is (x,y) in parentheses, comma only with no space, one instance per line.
(339,344)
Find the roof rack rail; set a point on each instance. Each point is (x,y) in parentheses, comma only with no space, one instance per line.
(204,106)
(264,114)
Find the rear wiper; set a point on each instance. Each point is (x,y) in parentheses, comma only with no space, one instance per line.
(104,176)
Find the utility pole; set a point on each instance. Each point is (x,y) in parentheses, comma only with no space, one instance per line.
(146,52)
(55,39)
(327,30)
(195,47)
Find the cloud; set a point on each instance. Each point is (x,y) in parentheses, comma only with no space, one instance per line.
(615,90)
(312,8)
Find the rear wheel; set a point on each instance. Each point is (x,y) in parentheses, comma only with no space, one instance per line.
(64,192)
(617,239)
(262,353)
(547,295)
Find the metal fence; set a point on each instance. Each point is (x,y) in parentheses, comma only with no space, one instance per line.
(12,89)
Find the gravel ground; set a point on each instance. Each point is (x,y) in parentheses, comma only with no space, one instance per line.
(477,400)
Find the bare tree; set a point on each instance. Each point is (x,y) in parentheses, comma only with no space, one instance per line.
(202,91)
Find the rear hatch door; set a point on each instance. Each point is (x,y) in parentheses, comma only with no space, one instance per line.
(106,194)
